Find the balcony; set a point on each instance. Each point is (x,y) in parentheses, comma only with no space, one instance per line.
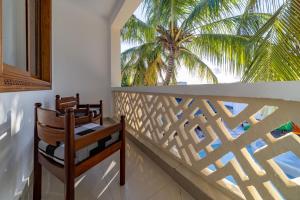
(227,141)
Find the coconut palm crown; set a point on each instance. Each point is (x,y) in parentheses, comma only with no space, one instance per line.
(240,36)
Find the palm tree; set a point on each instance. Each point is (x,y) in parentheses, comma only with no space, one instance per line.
(232,34)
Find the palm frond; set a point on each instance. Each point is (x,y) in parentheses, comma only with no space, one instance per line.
(139,75)
(278,52)
(165,11)
(268,25)
(155,69)
(140,65)
(132,54)
(195,64)
(237,24)
(230,52)
(263,6)
(136,31)
(211,10)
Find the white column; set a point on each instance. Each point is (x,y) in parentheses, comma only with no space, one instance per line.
(118,20)
(115,57)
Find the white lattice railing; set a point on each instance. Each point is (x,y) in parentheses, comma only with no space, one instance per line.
(232,142)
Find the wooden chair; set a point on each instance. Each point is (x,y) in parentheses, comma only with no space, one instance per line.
(62,103)
(51,131)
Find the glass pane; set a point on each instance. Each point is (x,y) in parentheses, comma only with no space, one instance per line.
(14,33)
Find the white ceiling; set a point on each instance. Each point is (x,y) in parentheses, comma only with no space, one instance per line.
(104,8)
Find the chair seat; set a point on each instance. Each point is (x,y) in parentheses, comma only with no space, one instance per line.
(56,153)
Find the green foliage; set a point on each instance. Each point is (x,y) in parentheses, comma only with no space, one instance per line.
(277,47)
(255,39)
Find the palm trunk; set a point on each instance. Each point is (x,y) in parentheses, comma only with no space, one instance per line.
(171,66)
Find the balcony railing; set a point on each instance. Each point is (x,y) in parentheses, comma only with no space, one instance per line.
(241,138)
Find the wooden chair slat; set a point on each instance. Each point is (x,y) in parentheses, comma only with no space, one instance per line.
(96,136)
(95,105)
(91,162)
(50,135)
(82,120)
(69,104)
(50,118)
(66,99)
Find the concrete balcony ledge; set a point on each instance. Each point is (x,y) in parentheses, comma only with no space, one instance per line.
(272,90)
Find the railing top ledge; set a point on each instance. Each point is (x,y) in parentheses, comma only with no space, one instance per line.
(273,90)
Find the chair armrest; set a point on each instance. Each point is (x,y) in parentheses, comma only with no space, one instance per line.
(90,105)
(95,105)
(83,106)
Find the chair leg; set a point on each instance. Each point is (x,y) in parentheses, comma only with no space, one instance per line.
(37,181)
(69,189)
(122,166)
(69,155)
(122,152)
(37,168)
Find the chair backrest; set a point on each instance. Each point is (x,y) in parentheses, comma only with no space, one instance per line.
(49,127)
(62,103)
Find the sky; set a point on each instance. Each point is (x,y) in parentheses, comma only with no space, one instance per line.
(183,75)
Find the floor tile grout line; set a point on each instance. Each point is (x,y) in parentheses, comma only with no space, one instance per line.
(164,186)
(151,161)
(156,192)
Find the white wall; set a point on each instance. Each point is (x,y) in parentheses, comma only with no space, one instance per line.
(16,139)
(80,56)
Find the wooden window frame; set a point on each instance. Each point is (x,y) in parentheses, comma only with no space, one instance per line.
(13,79)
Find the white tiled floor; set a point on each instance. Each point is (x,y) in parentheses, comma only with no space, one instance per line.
(144,180)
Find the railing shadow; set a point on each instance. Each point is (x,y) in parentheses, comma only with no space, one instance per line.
(5,140)
(11,160)
(16,144)
(6,153)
